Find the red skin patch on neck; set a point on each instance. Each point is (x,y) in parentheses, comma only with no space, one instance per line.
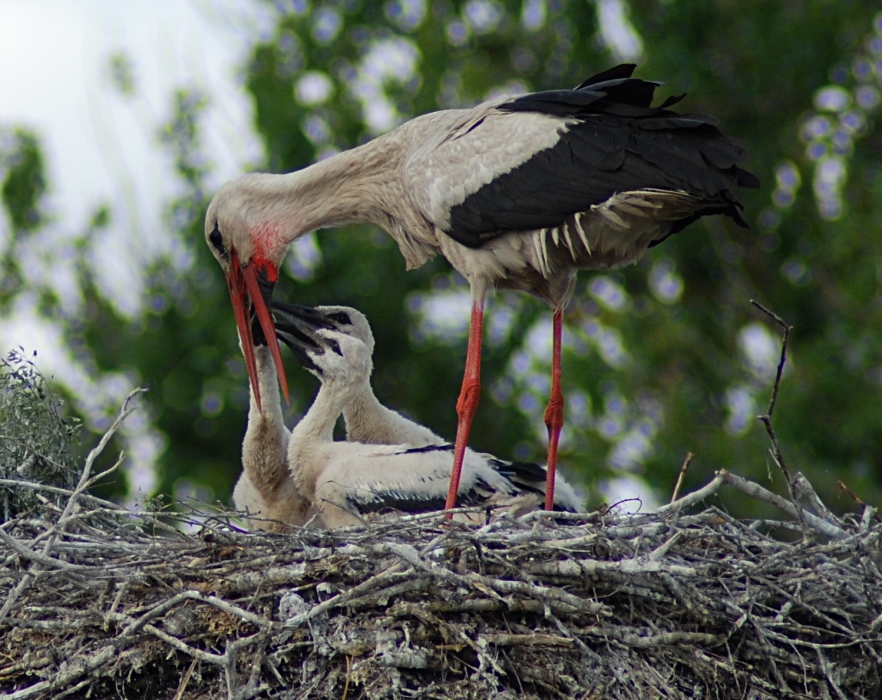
(269,248)
(267,267)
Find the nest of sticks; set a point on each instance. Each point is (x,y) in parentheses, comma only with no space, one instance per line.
(687,602)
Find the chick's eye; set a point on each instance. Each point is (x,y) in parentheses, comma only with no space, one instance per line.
(335,347)
(217,240)
(341,318)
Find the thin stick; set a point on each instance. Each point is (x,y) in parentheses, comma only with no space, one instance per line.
(783,359)
(854,497)
(185,679)
(681,475)
(766,419)
(124,412)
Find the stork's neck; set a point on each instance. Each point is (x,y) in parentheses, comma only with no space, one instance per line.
(364,415)
(369,421)
(314,429)
(265,446)
(268,381)
(355,186)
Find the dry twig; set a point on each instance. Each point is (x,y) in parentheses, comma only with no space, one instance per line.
(766,418)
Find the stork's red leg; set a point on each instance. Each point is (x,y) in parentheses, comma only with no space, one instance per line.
(469,395)
(554,413)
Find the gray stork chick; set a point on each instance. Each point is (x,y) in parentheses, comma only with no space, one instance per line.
(265,489)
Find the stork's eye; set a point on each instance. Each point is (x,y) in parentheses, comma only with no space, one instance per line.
(335,347)
(217,240)
(340,317)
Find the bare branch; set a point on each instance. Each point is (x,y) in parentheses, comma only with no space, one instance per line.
(680,476)
(766,419)
(785,328)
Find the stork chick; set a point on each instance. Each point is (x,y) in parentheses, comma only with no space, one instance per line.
(396,464)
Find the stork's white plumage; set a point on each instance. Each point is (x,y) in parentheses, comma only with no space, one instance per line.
(397,464)
(517,193)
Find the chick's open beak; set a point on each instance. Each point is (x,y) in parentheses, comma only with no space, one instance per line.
(297,327)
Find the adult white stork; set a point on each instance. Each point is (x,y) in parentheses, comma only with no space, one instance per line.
(517,193)
(396,464)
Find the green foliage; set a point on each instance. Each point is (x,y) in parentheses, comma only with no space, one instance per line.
(659,359)
(23,177)
(37,442)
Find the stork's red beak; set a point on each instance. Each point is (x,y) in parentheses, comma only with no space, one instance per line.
(255,283)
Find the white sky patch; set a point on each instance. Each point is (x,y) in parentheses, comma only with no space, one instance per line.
(630,494)
(611,425)
(143,446)
(534,14)
(441,315)
(607,341)
(5,232)
(385,61)
(616,30)
(313,88)
(537,344)
(832,98)
(47,255)
(304,257)
(537,340)
(664,282)
(608,293)
(635,446)
(741,403)
(327,24)
(842,112)
(830,177)
(317,129)
(407,14)
(483,15)
(578,408)
(457,32)
(788,180)
(499,319)
(761,350)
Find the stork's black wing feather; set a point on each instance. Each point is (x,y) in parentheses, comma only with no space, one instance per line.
(619,72)
(387,500)
(528,477)
(614,141)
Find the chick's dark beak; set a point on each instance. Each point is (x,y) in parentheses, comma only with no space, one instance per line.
(296,327)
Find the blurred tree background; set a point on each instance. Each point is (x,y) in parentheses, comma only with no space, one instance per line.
(663,358)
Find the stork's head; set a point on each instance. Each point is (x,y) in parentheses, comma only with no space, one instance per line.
(350,322)
(343,342)
(249,245)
